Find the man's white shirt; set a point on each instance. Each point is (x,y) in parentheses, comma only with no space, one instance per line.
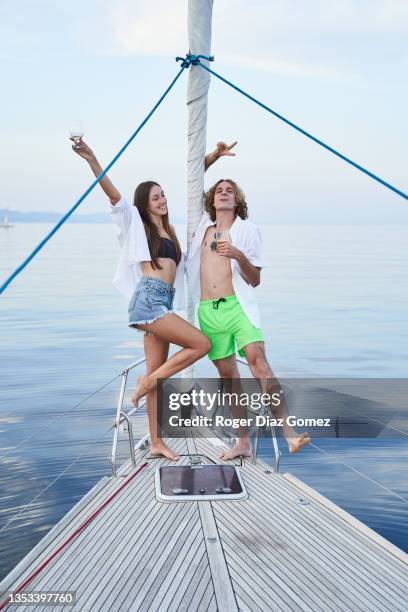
(246,237)
(134,250)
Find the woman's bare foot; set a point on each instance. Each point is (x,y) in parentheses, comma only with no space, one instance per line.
(295,444)
(241,449)
(160,449)
(142,388)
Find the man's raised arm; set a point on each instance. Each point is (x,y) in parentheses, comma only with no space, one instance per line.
(221,149)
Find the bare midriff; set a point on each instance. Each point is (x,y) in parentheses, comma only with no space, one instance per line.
(168,272)
(215,271)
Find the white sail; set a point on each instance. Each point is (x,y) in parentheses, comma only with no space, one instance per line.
(5,220)
(199,38)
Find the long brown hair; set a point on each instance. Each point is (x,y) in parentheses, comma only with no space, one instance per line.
(241,209)
(141,201)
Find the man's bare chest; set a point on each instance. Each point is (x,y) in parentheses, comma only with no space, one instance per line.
(209,245)
(211,262)
(209,238)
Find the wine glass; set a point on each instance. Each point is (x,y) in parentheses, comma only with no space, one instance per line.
(222,236)
(76,132)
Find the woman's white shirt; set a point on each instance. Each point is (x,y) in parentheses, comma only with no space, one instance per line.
(134,249)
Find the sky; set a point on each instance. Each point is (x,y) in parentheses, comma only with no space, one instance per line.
(337,68)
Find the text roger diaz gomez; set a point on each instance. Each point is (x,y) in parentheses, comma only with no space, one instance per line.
(259,421)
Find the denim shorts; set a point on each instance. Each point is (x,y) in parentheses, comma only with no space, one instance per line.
(151,300)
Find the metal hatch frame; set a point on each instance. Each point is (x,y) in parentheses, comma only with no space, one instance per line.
(183,498)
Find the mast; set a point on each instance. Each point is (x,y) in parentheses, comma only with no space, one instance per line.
(199,39)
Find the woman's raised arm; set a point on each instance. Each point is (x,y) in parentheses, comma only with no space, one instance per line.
(82,149)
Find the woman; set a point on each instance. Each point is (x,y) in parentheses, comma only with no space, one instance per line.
(150,264)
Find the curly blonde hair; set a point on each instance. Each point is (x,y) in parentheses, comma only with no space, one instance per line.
(242,208)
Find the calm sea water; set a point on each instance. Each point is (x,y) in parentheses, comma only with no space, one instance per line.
(333,303)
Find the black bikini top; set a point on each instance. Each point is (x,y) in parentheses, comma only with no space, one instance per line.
(167,249)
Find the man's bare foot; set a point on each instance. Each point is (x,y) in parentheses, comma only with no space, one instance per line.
(295,444)
(142,388)
(160,449)
(241,449)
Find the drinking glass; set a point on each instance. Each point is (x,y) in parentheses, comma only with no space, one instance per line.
(222,236)
(77,131)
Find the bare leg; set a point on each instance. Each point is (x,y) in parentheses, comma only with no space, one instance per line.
(174,329)
(156,352)
(260,368)
(228,370)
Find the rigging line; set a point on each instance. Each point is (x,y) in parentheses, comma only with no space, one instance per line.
(84,454)
(360,473)
(69,539)
(344,405)
(308,135)
(21,267)
(291,383)
(367,416)
(57,418)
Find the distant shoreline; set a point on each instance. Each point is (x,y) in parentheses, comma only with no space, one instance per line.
(16,217)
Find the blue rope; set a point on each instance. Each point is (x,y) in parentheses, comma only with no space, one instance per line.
(88,191)
(193,60)
(302,131)
(190,60)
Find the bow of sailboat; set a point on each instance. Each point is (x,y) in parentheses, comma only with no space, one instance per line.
(278,546)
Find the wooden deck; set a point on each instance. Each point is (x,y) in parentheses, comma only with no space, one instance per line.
(284,548)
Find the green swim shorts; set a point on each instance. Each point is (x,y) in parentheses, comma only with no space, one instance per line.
(225,323)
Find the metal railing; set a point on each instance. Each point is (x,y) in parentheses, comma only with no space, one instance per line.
(276,450)
(122,417)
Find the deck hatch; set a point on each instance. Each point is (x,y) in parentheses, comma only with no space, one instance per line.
(199,483)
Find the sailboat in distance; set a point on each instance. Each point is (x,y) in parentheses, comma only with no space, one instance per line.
(5,222)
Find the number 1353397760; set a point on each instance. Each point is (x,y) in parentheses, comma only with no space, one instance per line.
(56,598)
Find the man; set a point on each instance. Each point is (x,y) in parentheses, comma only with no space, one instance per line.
(224,273)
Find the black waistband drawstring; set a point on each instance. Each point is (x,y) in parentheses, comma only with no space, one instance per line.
(216,303)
